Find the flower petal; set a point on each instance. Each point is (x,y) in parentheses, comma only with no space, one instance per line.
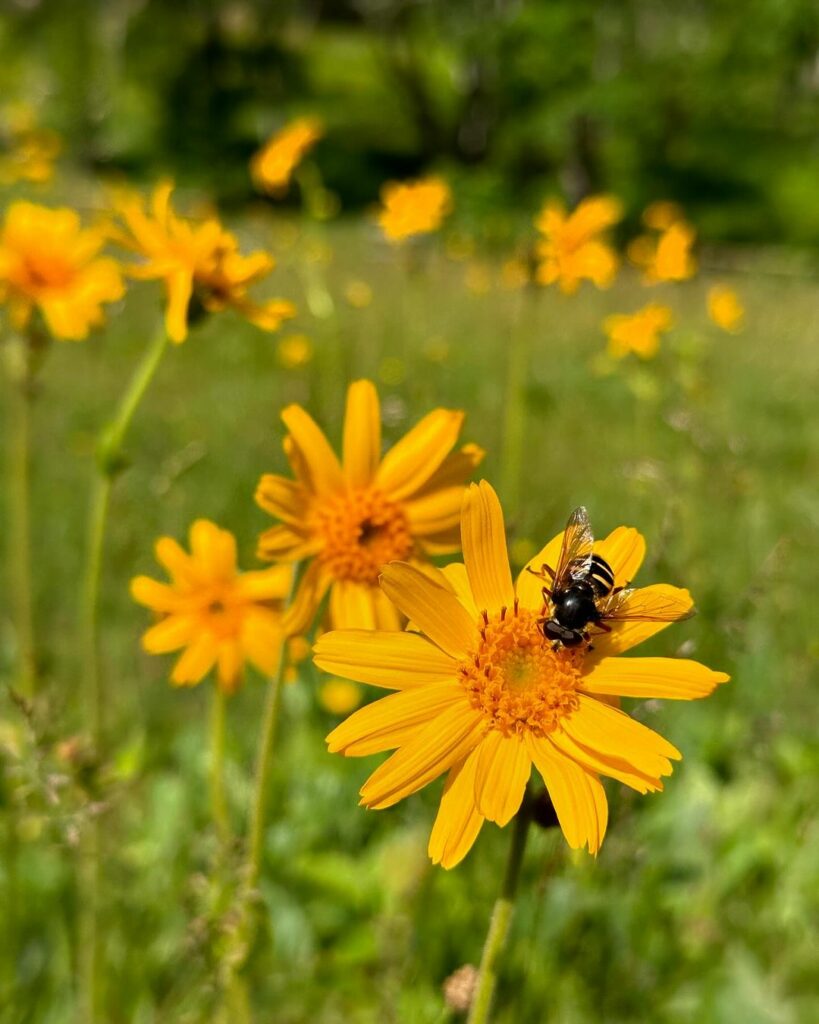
(196,661)
(484,544)
(213,549)
(458,821)
(309,594)
(271,584)
(393,721)
(170,634)
(176,561)
(229,664)
(387,616)
(448,738)
(434,609)
(179,288)
(362,433)
(528,586)
(320,461)
(456,577)
(454,471)
(605,764)
(285,499)
(660,598)
(261,639)
(396,661)
(284,543)
(352,605)
(435,512)
(503,769)
(578,796)
(158,596)
(672,678)
(624,549)
(409,464)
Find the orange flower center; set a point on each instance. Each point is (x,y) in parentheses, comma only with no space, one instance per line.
(40,270)
(516,678)
(362,531)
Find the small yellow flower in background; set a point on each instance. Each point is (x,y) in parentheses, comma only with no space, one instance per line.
(571,249)
(198,262)
(637,332)
(214,613)
(294,351)
(514,275)
(339,696)
(49,262)
(725,309)
(413,207)
(661,214)
(350,517)
(668,256)
(482,696)
(478,279)
(272,167)
(27,151)
(358,294)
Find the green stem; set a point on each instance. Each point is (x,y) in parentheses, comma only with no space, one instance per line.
(218,802)
(495,942)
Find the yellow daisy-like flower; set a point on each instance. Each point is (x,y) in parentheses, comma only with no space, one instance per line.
(352,516)
(572,249)
(725,309)
(197,261)
(272,167)
(413,207)
(667,257)
(482,695)
(50,263)
(212,612)
(637,332)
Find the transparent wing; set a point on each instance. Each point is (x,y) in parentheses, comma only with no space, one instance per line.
(646,604)
(576,552)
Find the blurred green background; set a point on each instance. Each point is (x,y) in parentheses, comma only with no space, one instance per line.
(703,903)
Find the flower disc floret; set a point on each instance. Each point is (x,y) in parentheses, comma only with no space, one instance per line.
(362,531)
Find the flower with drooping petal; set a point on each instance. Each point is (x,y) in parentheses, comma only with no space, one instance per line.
(481,695)
(637,332)
(350,517)
(272,167)
(49,262)
(413,207)
(210,611)
(725,309)
(198,262)
(667,255)
(572,249)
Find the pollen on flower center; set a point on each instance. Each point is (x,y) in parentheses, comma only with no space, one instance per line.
(516,678)
(362,531)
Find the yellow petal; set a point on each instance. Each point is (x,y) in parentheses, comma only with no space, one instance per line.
(605,764)
(434,609)
(178,563)
(456,578)
(179,286)
(229,665)
(196,661)
(503,769)
(285,499)
(578,796)
(528,586)
(261,638)
(309,594)
(483,538)
(624,549)
(352,605)
(213,549)
(158,596)
(454,471)
(393,721)
(660,599)
(387,616)
(409,464)
(672,678)
(362,433)
(448,738)
(283,543)
(396,661)
(170,634)
(320,460)
(458,821)
(435,512)
(271,584)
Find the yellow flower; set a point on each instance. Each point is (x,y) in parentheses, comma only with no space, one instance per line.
(667,257)
(637,332)
(197,261)
(218,615)
(27,152)
(661,214)
(572,249)
(413,207)
(352,516)
(482,696)
(725,309)
(339,696)
(49,262)
(272,167)
(294,351)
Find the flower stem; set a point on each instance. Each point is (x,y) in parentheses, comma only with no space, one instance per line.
(496,936)
(218,802)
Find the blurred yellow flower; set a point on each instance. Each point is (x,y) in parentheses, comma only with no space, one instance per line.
(358,293)
(661,214)
(200,263)
(294,351)
(218,615)
(482,697)
(637,332)
(50,263)
(572,249)
(27,152)
(414,207)
(350,517)
(668,256)
(725,309)
(339,696)
(272,167)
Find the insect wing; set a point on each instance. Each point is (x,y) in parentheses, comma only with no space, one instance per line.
(644,604)
(576,553)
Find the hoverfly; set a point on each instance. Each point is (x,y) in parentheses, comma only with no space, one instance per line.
(582,594)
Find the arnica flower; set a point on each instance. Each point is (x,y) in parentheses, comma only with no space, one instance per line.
(50,263)
(27,151)
(352,516)
(482,696)
(212,612)
(572,249)
(637,332)
(272,167)
(413,207)
(199,263)
(725,309)
(668,256)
